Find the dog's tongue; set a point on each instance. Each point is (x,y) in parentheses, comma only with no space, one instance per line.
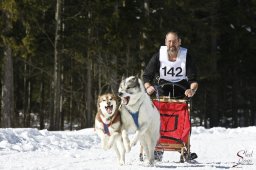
(125,100)
(109,110)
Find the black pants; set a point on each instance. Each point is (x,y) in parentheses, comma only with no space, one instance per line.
(173,90)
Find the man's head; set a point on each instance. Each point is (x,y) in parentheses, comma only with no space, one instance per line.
(172,41)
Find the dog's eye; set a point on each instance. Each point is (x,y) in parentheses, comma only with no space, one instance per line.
(130,86)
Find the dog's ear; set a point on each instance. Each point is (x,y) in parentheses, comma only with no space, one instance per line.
(98,102)
(123,77)
(113,92)
(137,76)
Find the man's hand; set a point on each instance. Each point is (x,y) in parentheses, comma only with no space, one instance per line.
(193,87)
(150,90)
(190,92)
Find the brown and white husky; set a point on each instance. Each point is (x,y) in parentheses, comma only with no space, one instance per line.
(108,125)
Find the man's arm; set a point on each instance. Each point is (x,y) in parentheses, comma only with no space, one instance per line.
(151,70)
(192,77)
(191,70)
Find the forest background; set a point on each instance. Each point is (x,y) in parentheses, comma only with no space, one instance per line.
(57,56)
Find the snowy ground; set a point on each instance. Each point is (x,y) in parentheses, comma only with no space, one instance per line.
(32,149)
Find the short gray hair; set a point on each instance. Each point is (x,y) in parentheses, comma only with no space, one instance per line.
(173,32)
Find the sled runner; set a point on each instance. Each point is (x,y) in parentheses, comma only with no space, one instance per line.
(175,126)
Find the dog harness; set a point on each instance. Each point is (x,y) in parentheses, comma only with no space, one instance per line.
(135,117)
(116,117)
(106,130)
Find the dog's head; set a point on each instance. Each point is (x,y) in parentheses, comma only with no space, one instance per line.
(130,89)
(107,104)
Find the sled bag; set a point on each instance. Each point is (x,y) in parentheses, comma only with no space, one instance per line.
(175,121)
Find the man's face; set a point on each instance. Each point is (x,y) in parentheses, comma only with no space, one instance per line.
(173,43)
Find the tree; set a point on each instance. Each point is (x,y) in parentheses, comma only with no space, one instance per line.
(56,117)
(7,103)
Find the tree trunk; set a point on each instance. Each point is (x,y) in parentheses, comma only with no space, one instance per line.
(113,84)
(86,115)
(214,111)
(61,101)
(7,103)
(55,123)
(7,106)
(235,89)
(88,110)
(27,95)
(71,101)
(42,102)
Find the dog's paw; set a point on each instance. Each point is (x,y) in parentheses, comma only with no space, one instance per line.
(149,163)
(121,162)
(135,138)
(109,145)
(111,140)
(104,143)
(133,143)
(127,148)
(104,147)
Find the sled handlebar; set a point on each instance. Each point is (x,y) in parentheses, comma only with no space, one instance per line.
(177,85)
(174,84)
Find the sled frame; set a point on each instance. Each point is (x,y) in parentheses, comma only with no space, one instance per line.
(182,147)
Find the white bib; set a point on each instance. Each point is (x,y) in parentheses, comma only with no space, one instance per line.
(173,71)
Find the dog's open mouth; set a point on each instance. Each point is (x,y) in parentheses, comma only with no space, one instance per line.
(109,109)
(125,100)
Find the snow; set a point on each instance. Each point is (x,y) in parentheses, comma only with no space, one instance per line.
(32,149)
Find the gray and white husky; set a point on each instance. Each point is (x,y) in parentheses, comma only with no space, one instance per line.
(139,116)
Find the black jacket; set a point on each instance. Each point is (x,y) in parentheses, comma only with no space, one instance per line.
(152,69)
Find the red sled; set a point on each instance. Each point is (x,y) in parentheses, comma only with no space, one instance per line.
(175,126)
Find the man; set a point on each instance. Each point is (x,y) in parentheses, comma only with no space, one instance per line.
(171,64)
(175,71)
